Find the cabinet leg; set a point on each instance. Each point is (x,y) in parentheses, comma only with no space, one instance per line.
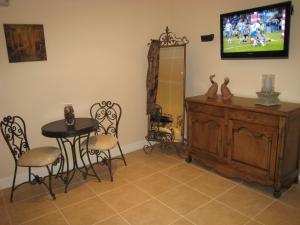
(296,181)
(188,159)
(277,193)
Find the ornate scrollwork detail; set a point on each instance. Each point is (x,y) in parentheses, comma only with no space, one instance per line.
(169,39)
(103,156)
(108,115)
(14,132)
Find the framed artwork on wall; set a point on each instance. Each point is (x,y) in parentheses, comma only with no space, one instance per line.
(25,42)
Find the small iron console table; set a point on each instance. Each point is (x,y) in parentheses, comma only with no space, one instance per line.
(70,135)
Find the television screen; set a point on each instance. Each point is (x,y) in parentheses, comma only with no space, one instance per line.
(257,32)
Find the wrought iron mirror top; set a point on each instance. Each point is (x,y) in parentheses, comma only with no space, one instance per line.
(108,115)
(13,130)
(169,39)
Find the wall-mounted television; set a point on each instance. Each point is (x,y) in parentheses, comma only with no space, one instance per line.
(257,32)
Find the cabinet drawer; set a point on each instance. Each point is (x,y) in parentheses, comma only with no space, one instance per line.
(207,109)
(254,117)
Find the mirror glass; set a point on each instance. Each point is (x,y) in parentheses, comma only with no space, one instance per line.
(171,92)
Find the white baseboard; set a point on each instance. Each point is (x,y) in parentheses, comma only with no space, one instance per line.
(22,177)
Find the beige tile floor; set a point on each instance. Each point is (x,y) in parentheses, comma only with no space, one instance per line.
(154,189)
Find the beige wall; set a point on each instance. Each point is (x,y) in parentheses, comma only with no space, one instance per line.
(96,50)
(197,17)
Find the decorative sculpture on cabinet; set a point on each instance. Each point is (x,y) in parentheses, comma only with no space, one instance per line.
(226,93)
(212,91)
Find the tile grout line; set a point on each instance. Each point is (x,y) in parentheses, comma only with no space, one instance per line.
(185,184)
(236,210)
(205,172)
(99,195)
(144,177)
(218,195)
(150,195)
(45,192)
(25,199)
(128,180)
(76,203)
(45,214)
(260,211)
(175,221)
(228,179)
(129,208)
(287,205)
(253,220)
(6,209)
(61,213)
(181,216)
(200,175)
(117,213)
(31,219)
(154,197)
(211,198)
(235,184)
(57,209)
(256,191)
(35,218)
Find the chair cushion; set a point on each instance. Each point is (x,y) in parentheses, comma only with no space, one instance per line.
(101,142)
(165,130)
(41,156)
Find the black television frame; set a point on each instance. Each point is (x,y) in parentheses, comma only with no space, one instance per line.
(260,54)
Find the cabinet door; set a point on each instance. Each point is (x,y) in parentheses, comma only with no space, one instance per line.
(205,135)
(252,148)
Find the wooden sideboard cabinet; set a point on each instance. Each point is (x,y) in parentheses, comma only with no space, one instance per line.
(241,139)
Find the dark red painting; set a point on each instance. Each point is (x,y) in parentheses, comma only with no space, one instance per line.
(25,42)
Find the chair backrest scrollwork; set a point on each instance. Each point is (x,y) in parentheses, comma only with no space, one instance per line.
(108,115)
(13,130)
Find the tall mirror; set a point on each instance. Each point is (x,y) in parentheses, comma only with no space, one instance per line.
(166,90)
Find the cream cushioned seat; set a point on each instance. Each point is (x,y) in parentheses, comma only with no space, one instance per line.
(165,130)
(41,156)
(101,142)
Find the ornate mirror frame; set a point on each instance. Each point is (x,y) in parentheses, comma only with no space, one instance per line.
(169,39)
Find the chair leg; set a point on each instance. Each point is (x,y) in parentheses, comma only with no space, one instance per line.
(13,184)
(81,154)
(50,171)
(109,166)
(29,174)
(122,154)
(61,167)
(91,165)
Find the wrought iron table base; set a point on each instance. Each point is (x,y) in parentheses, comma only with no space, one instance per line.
(70,172)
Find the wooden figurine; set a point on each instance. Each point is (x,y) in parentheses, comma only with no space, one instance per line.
(212,91)
(226,93)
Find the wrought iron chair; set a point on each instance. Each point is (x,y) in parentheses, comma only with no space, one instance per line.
(108,115)
(158,130)
(13,130)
